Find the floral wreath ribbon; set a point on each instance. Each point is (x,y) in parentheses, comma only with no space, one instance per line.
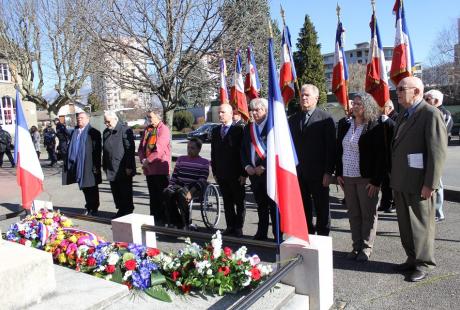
(257,143)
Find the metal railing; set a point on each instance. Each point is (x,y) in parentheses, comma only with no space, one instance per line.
(267,285)
(11,215)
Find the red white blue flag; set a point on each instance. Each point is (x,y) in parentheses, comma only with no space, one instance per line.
(237,95)
(223,82)
(252,83)
(29,172)
(376,75)
(403,59)
(257,143)
(282,183)
(288,75)
(340,71)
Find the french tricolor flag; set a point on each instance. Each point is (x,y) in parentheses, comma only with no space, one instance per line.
(282,183)
(340,71)
(403,60)
(237,95)
(288,75)
(376,75)
(223,82)
(29,172)
(252,83)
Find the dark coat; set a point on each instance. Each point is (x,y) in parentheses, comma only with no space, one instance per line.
(225,153)
(314,144)
(388,132)
(5,141)
(246,148)
(118,152)
(92,168)
(371,151)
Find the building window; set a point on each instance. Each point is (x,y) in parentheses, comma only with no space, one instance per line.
(351,55)
(7,111)
(4,72)
(359,54)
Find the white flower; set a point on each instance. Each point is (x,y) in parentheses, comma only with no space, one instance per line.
(108,277)
(113,258)
(202,265)
(247,282)
(264,269)
(28,243)
(127,275)
(240,254)
(49,215)
(216,243)
(209,272)
(178,283)
(254,260)
(82,249)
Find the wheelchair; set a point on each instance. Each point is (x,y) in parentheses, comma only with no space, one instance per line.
(210,207)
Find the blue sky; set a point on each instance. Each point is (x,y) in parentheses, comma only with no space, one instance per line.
(425,18)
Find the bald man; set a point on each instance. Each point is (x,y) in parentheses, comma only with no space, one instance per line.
(228,170)
(418,153)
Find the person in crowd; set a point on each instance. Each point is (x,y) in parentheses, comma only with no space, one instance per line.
(359,171)
(386,201)
(155,155)
(83,162)
(118,162)
(228,170)
(63,138)
(417,165)
(435,97)
(35,134)
(6,147)
(255,163)
(188,180)
(49,141)
(237,120)
(314,135)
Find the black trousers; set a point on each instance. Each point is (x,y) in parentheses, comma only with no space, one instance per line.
(176,207)
(51,154)
(386,201)
(122,191)
(156,185)
(8,154)
(265,206)
(315,199)
(91,197)
(233,194)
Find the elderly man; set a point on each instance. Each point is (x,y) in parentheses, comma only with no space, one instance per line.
(118,162)
(255,163)
(83,162)
(435,97)
(155,155)
(418,154)
(389,110)
(63,138)
(313,133)
(228,170)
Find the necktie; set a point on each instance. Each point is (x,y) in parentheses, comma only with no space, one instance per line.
(223,131)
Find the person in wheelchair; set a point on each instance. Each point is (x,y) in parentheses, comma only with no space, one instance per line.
(188,180)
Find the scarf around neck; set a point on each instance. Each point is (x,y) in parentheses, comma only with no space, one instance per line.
(76,159)
(150,140)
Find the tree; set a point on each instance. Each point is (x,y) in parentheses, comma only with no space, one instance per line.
(35,35)
(94,102)
(308,60)
(356,77)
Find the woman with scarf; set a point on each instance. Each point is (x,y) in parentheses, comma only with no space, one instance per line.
(83,163)
(155,156)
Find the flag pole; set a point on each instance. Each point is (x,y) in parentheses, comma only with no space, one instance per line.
(347,105)
(283,17)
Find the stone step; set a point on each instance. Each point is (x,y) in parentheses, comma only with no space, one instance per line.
(297,302)
(80,291)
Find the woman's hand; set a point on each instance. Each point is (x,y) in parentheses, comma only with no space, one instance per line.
(341,182)
(372,190)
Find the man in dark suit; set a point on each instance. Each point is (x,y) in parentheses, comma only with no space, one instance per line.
(83,162)
(118,162)
(418,153)
(313,133)
(228,170)
(255,163)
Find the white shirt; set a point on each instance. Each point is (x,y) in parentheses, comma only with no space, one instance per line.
(350,156)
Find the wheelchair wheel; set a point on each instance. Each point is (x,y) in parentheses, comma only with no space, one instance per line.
(210,208)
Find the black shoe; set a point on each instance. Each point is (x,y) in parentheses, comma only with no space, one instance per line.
(404,267)
(87,212)
(260,237)
(228,232)
(390,210)
(439,219)
(383,208)
(238,232)
(94,212)
(417,275)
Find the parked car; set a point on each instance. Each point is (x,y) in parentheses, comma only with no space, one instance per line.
(203,132)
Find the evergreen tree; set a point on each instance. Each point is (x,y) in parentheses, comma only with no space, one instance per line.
(308,59)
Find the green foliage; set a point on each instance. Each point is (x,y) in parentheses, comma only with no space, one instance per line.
(308,59)
(117,276)
(94,102)
(158,292)
(183,119)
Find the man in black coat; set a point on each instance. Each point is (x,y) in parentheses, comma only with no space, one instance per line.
(228,170)
(118,162)
(63,137)
(83,162)
(313,133)
(255,164)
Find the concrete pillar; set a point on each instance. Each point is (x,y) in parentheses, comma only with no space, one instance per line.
(128,229)
(314,277)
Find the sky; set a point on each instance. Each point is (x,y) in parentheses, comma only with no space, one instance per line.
(424,18)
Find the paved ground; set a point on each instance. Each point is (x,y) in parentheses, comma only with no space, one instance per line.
(371,285)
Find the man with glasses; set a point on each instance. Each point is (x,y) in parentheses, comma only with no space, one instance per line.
(418,153)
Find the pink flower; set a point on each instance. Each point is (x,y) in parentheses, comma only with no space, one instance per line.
(255,274)
(227,251)
(175,275)
(130,264)
(91,261)
(151,252)
(110,268)
(225,270)
(72,248)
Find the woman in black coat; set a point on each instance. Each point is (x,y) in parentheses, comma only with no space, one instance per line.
(360,167)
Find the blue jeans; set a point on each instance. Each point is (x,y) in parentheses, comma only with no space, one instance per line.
(439,200)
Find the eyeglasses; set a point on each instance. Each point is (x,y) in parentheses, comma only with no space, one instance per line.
(401,89)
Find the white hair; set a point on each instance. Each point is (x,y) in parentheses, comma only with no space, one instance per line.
(435,94)
(258,103)
(311,87)
(111,114)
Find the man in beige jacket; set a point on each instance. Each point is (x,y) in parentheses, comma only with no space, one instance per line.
(418,153)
